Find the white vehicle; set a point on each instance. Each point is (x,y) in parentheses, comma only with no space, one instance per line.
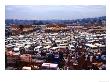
(91,47)
(16,50)
(26,68)
(100,45)
(72,42)
(71,47)
(63,46)
(47,47)
(10,46)
(37,48)
(49,66)
(54,48)
(65,41)
(21,36)
(58,41)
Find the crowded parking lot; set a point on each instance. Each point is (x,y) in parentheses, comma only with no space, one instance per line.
(56,49)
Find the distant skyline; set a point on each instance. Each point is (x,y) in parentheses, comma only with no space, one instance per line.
(50,12)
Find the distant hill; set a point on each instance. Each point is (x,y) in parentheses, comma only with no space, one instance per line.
(84,21)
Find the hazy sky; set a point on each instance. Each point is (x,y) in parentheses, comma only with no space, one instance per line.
(53,12)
